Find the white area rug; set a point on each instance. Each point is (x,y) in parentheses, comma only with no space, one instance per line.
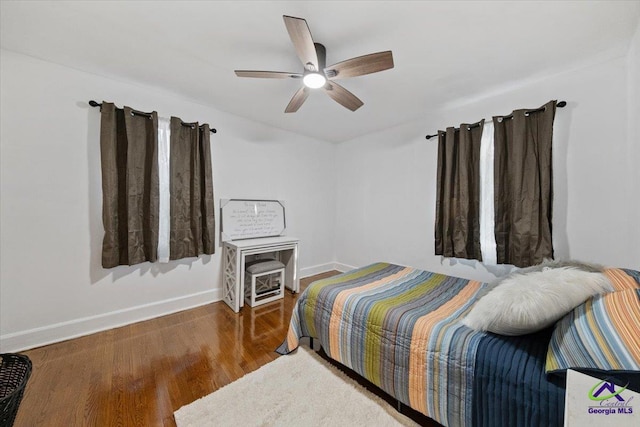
(299,389)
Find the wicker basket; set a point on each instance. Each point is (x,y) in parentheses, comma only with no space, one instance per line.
(15,370)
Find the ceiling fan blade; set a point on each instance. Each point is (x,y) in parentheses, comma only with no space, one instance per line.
(267,74)
(361,65)
(298,98)
(343,96)
(302,41)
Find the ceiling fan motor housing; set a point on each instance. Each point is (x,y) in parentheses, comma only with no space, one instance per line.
(321,51)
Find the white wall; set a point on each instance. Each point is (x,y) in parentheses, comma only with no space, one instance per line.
(386,192)
(52,285)
(634,137)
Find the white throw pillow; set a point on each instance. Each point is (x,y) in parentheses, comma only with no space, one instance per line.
(525,303)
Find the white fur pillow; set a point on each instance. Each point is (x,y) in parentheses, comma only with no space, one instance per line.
(526,303)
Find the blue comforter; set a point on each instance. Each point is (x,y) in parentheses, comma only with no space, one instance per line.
(510,386)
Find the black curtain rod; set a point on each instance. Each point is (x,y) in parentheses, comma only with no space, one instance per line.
(142,113)
(560,104)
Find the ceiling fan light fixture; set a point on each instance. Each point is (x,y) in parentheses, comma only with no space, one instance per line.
(314,80)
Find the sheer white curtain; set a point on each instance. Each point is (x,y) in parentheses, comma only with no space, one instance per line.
(487,211)
(164,136)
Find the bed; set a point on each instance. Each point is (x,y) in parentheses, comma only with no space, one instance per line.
(400,328)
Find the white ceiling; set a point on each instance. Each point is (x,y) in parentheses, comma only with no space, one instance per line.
(443,51)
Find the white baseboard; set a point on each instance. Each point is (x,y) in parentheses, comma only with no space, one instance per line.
(19,341)
(343,267)
(37,337)
(316,269)
(322,268)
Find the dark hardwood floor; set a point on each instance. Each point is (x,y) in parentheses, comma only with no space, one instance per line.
(139,374)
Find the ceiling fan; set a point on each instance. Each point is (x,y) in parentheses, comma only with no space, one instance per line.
(316,74)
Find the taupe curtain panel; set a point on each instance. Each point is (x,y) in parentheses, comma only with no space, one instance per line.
(457,230)
(523,188)
(129,156)
(130,210)
(523,176)
(192,216)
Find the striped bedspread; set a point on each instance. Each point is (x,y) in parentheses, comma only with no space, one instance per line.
(399,328)
(603,333)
